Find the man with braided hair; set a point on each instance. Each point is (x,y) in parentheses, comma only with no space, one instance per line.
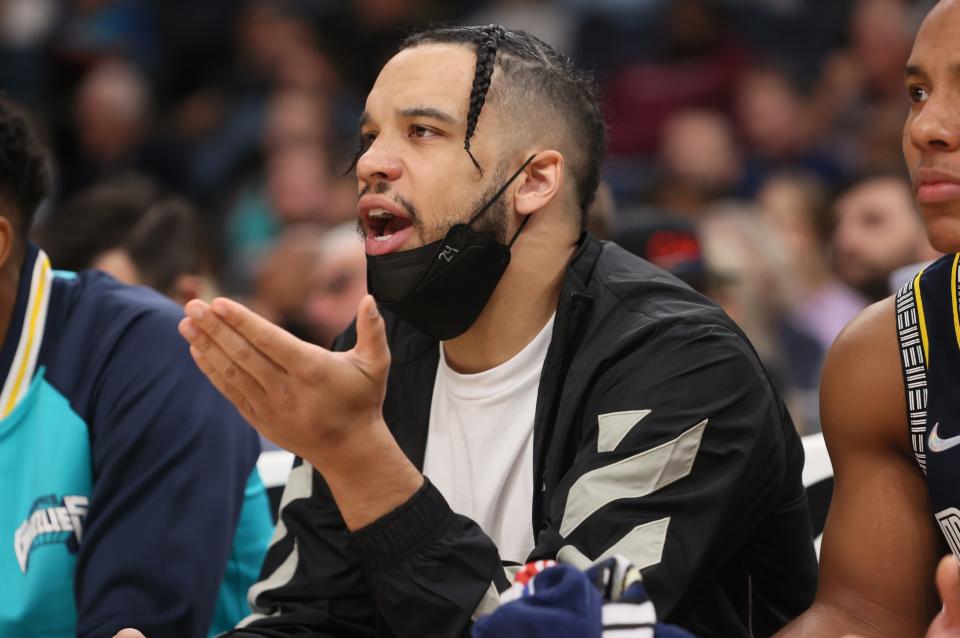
(514,390)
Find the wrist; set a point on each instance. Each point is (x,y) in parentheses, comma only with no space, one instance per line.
(367,473)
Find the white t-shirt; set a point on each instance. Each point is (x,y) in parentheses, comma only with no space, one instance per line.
(480,444)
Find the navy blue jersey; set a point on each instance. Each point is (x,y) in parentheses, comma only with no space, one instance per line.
(928,323)
(129,490)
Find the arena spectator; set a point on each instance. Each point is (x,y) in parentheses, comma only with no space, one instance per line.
(282,279)
(132,229)
(697,63)
(796,206)
(780,129)
(877,231)
(754,283)
(112,118)
(699,162)
(337,284)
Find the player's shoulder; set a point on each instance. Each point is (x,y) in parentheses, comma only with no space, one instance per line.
(862,388)
(100,295)
(98,310)
(873,330)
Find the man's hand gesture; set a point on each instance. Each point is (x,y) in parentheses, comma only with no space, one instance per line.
(324,406)
(300,396)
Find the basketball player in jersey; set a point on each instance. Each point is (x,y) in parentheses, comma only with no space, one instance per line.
(891,398)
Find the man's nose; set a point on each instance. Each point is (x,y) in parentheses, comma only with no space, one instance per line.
(378,163)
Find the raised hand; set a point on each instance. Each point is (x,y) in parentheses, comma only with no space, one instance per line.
(300,396)
(324,406)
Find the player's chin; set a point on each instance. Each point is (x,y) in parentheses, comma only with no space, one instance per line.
(943,227)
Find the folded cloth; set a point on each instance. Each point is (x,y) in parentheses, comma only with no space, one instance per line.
(560,601)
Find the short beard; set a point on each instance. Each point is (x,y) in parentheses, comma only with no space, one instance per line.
(492,222)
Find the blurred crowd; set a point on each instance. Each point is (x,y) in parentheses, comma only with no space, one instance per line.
(205,147)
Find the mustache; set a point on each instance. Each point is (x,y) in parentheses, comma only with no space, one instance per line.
(383,188)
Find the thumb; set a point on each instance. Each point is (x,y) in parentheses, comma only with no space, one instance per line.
(948,583)
(371,336)
(129,633)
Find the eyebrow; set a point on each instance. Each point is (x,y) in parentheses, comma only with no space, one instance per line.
(913,70)
(415,111)
(427,111)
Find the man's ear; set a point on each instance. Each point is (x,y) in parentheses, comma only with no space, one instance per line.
(8,240)
(541,182)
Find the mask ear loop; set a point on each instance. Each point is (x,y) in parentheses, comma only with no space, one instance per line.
(526,218)
(500,192)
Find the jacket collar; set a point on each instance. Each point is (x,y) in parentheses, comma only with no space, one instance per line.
(580,270)
(21,344)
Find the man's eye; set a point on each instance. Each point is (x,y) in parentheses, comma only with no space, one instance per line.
(366,139)
(917,93)
(422,131)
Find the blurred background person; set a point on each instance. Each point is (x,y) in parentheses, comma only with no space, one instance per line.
(282,279)
(699,162)
(133,230)
(779,127)
(795,205)
(337,284)
(111,117)
(878,231)
(756,286)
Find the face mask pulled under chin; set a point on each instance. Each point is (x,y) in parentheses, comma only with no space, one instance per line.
(442,287)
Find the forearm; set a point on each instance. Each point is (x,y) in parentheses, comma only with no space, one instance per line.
(368,474)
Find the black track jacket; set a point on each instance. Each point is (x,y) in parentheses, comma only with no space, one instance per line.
(658,435)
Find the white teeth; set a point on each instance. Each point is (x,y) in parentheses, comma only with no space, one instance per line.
(382,237)
(379,212)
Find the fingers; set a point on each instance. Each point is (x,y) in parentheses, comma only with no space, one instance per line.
(202,328)
(371,336)
(233,382)
(277,344)
(948,584)
(228,389)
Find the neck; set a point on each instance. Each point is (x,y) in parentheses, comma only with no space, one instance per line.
(522,303)
(9,282)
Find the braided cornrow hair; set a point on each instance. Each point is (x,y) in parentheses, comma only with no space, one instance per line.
(488,39)
(538,82)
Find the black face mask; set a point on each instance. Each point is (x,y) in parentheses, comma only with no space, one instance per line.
(442,287)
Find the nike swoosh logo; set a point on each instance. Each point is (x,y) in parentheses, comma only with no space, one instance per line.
(936,444)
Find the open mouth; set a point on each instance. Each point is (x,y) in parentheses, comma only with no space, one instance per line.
(383,225)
